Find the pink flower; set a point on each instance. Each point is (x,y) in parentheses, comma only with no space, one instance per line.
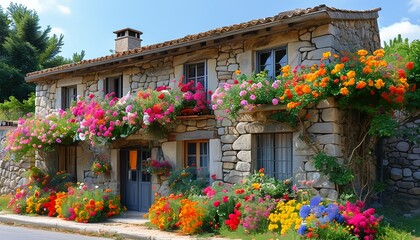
(253,97)
(242,93)
(275,101)
(58,140)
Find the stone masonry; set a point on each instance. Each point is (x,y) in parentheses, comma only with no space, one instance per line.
(402,169)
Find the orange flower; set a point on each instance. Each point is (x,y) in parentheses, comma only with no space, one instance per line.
(361,85)
(379,83)
(362,52)
(351,74)
(367,70)
(344,91)
(238,72)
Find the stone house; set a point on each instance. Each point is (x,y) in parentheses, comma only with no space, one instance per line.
(230,149)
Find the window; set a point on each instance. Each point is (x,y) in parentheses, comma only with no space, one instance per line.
(271,61)
(67,156)
(196,72)
(274,154)
(114,85)
(197,155)
(68,95)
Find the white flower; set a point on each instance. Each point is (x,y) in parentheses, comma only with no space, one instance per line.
(166,92)
(146,118)
(82,136)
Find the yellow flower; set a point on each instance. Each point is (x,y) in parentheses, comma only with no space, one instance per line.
(379,83)
(238,72)
(362,52)
(256,186)
(351,74)
(326,54)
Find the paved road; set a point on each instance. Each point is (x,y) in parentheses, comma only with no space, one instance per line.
(23,233)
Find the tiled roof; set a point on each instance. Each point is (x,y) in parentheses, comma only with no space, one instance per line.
(189,38)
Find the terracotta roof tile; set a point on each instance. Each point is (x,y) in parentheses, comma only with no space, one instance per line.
(214,32)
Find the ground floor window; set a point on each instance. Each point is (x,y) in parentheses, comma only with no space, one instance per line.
(67,156)
(197,156)
(274,154)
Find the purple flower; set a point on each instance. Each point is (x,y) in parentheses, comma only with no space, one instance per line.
(58,140)
(244,102)
(275,101)
(241,93)
(253,97)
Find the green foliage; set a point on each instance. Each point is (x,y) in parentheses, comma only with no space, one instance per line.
(188,181)
(267,186)
(399,49)
(24,48)
(337,173)
(382,125)
(13,109)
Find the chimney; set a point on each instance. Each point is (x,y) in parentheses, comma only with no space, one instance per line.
(127,39)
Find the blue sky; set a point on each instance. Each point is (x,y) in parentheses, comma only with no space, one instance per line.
(89,24)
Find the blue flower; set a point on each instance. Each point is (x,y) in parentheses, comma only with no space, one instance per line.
(315,201)
(304,211)
(323,220)
(318,211)
(332,211)
(302,229)
(340,218)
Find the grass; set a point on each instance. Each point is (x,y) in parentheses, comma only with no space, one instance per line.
(4,201)
(397,220)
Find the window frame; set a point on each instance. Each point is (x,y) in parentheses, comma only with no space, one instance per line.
(198,156)
(67,160)
(205,76)
(273,69)
(285,165)
(118,92)
(66,97)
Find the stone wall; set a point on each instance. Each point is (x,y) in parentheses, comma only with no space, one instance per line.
(320,122)
(304,46)
(11,175)
(401,165)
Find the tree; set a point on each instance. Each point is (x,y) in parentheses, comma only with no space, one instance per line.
(24,48)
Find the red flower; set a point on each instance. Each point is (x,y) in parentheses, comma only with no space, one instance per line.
(409,66)
(225,198)
(213,176)
(161,96)
(235,81)
(402,73)
(216,203)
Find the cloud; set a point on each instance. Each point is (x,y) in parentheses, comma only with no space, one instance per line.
(404,27)
(414,5)
(57,31)
(40,6)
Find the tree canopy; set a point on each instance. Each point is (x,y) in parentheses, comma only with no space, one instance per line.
(25,47)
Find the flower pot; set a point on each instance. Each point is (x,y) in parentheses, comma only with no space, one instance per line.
(187,112)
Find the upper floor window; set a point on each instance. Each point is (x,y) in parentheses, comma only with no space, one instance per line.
(197,155)
(271,61)
(274,154)
(68,95)
(196,72)
(114,85)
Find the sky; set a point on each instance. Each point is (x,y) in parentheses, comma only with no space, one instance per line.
(89,24)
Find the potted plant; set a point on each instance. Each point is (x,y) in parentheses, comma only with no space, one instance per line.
(160,168)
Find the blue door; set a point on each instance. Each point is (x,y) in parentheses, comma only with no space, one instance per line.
(136,185)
